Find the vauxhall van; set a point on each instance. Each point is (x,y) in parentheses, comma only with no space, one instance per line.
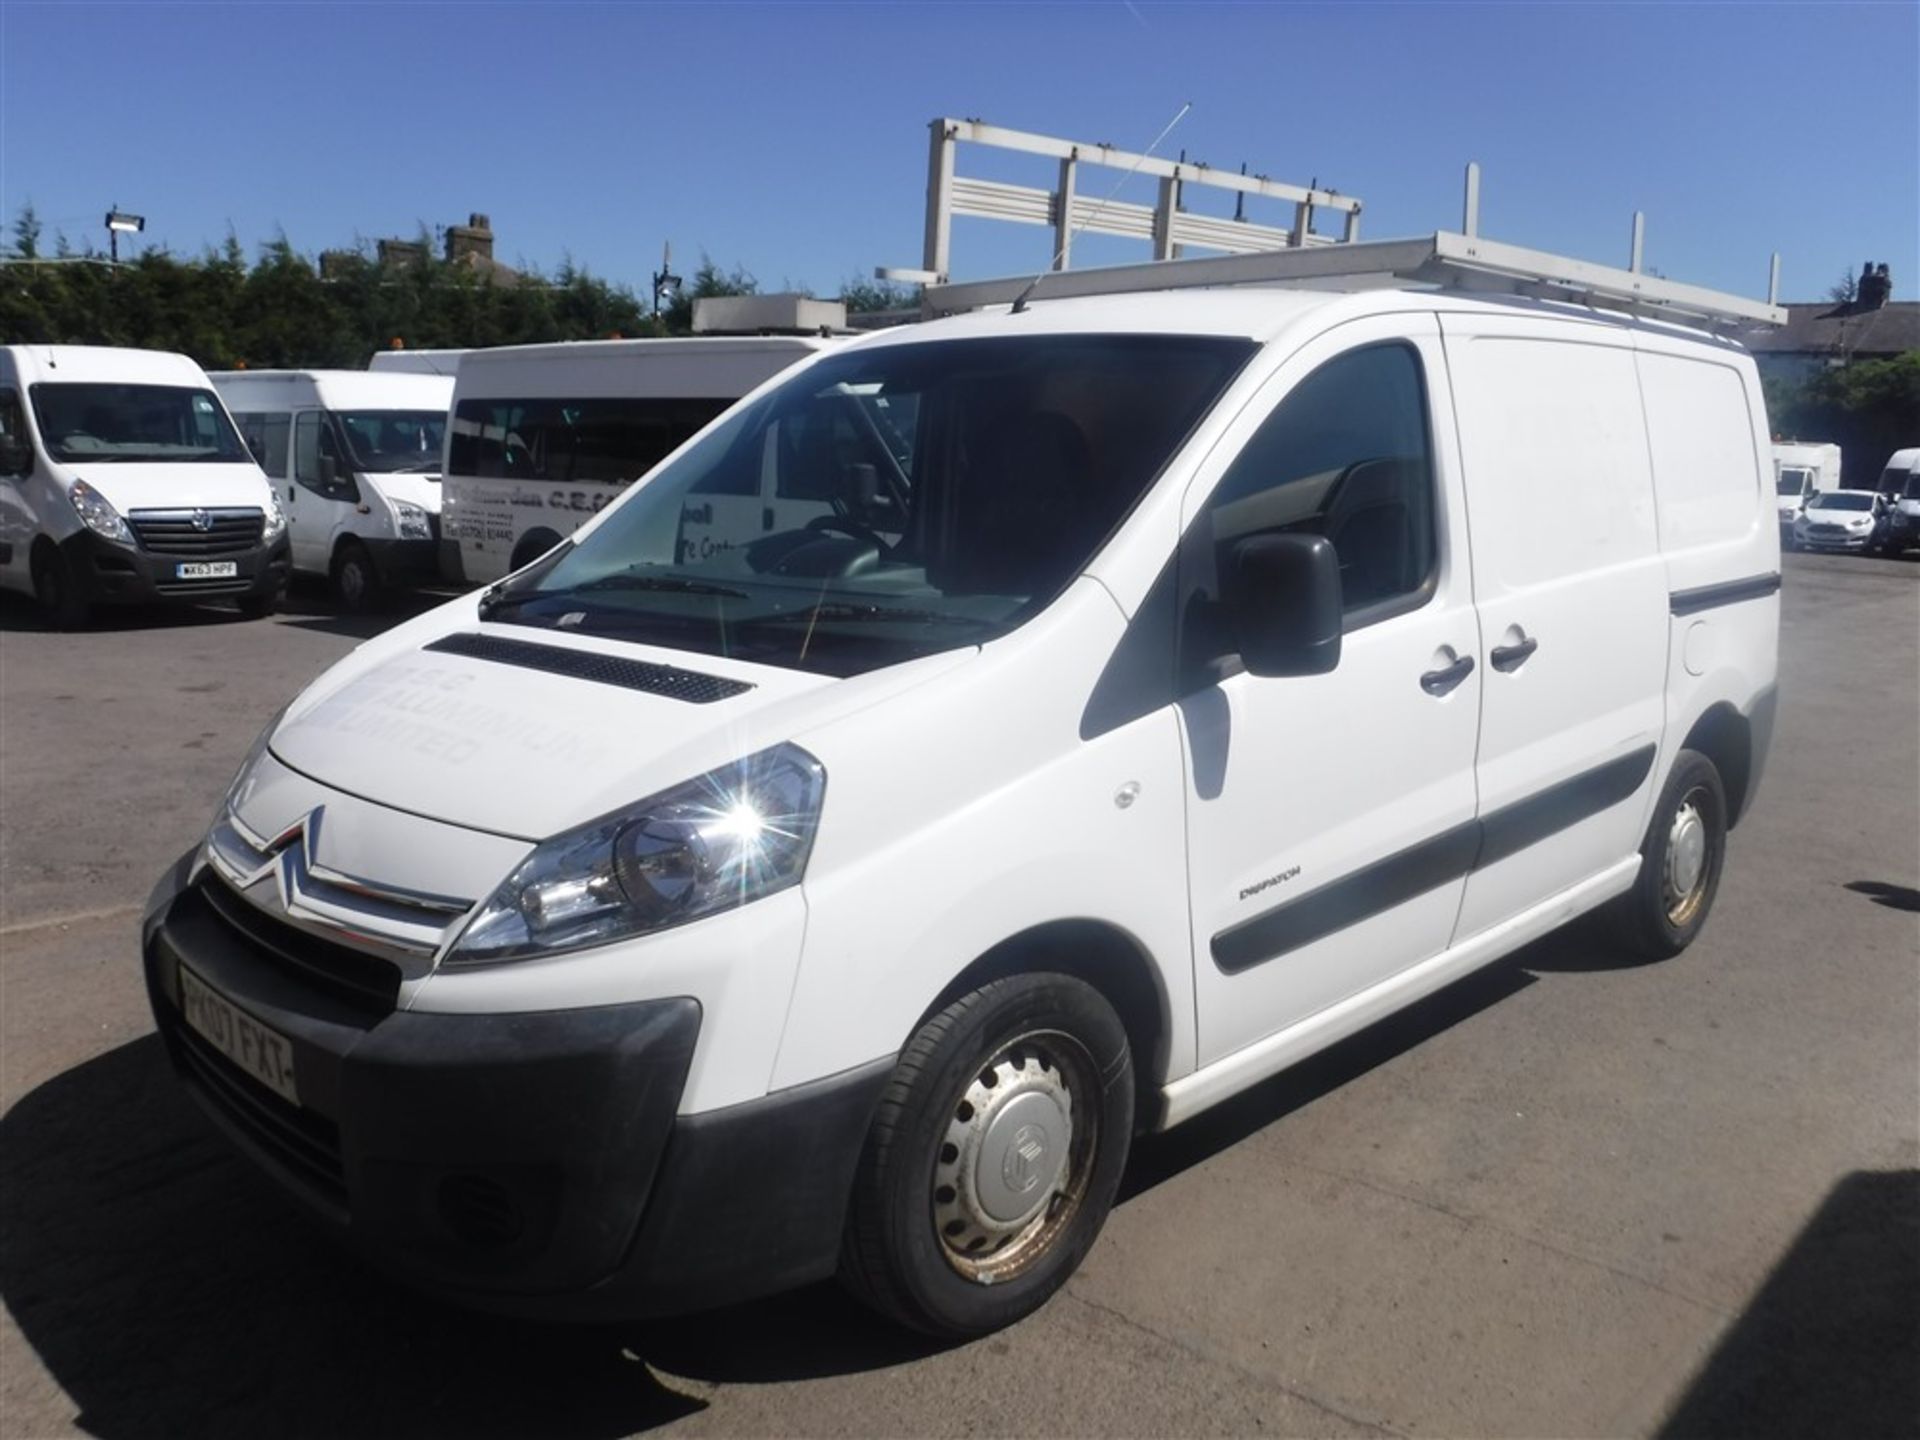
(1900,486)
(356,458)
(545,436)
(1173,684)
(123,482)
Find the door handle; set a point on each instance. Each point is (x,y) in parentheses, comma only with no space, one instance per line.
(1439,682)
(1508,658)
(289,494)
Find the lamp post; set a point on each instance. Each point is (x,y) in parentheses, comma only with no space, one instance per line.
(120,223)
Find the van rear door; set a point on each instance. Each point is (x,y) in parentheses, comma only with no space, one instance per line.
(1572,595)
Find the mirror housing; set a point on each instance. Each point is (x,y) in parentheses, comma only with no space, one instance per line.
(1283,602)
(16,457)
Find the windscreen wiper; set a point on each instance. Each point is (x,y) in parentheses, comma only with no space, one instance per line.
(851,611)
(492,602)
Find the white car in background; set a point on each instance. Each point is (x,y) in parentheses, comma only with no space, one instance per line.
(1839,520)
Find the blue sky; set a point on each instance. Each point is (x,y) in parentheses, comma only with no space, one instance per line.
(790,139)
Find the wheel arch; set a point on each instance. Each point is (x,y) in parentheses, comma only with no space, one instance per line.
(1113,963)
(1725,737)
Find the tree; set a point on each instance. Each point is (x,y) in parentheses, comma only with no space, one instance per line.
(709,281)
(1845,290)
(865,297)
(1869,409)
(26,233)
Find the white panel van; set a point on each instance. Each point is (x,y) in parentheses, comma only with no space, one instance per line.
(123,482)
(1900,485)
(1170,685)
(545,436)
(1800,471)
(356,457)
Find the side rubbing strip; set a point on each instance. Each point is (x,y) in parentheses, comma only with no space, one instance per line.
(1430,864)
(1512,828)
(1393,881)
(1730,592)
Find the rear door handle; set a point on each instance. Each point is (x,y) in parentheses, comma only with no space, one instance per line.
(1508,658)
(1439,682)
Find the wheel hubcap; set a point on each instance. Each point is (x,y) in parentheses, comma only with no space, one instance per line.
(353,583)
(1686,871)
(1013,1165)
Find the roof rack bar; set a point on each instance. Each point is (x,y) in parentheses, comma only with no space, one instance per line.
(1639,240)
(1470,207)
(1444,259)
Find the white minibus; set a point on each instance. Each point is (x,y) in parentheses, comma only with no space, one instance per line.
(356,457)
(1164,685)
(545,436)
(123,482)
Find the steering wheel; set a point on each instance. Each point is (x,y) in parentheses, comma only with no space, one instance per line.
(847,525)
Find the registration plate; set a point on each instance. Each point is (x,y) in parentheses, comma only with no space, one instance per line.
(206,570)
(265,1054)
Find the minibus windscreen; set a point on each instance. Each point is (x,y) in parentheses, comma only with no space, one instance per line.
(388,441)
(131,424)
(885,503)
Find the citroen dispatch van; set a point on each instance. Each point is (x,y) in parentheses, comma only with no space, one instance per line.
(1172,684)
(122,482)
(1801,470)
(545,436)
(356,458)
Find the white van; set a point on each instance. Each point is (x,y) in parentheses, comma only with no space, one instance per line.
(357,458)
(122,481)
(1179,683)
(1801,470)
(417,362)
(545,436)
(1900,484)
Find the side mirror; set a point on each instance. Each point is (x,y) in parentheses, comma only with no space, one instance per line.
(1283,602)
(329,473)
(16,457)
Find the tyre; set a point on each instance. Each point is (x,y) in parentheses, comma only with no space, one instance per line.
(55,587)
(1680,863)
(355,579)
(258,607)
(532,546)
(993,1157)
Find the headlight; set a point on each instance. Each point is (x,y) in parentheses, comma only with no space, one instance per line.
(97,515)
(730,836)
(274,523)
(412,521)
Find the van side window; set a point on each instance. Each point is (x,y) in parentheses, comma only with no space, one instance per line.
(14,446)
(266,437)
(1345,455)
(1706,473)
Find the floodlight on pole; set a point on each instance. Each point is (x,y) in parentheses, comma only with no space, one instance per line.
(665,282)
(120,223)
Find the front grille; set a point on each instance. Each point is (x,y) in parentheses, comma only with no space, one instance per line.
(688,685)
(307,1145)
(1826,529)
(177,532)
(367,983)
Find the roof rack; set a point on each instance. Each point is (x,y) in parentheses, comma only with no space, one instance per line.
(1450,260)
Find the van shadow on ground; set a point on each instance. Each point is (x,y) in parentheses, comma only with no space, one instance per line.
(170,1291)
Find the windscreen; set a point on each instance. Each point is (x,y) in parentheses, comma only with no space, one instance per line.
(1845,500)
(388,441)
(1794,482)
(128,424)
(886,503)
(1903,483)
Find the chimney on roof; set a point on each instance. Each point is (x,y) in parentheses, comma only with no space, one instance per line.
(473,238)
(1875,287)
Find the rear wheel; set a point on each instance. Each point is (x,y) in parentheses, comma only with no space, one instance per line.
(58,592)
(356,581)
(993,1158)
(1680,863)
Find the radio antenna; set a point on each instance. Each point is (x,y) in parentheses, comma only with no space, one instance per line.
(1020,303)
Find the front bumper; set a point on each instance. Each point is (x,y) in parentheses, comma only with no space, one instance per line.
(110,574)
(1853,540)
(533,1163)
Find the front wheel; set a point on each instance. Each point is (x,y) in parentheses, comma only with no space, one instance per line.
(356,581)
(993,1158)
(1680,863)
